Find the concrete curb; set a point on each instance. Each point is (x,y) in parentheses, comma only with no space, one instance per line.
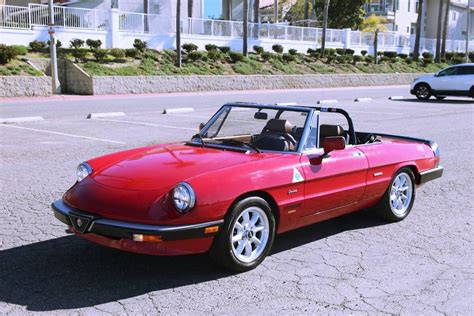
(24,119)
(396,97)
(178,110)
(363,99)
(104,115)
(327,101)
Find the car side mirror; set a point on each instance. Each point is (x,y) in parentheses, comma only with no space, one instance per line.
(333,143)
(201,126)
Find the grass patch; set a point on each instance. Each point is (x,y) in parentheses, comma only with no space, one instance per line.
(18,67)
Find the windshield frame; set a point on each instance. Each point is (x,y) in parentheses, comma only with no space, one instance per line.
(303,109)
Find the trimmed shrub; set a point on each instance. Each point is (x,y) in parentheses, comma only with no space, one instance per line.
(37,46)
(340,60)
(449,55)
(189,47)
(139,45)
(458,60)
(427,61)
(197,55)
(94,44)
(266,56)
(460,55)
(76,43)
(409,60)
(390,54)
(292,51)
(236,56)
(6,54)
(330,51)
(214,55)
(350,51)
(117,53)
(363,52)
(369,59)
(403,56)
(19,49)
(58,43)
(277,48)
(79,54)
(132,53)
(340,51)
(427,55)
(224,49)
(100,54)
(311,51)
(258,49)
(288,57)
(211,47)
(379,53)
(357,58)
(471,57)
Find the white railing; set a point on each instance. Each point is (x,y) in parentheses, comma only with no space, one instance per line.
(69,17)
(14,17)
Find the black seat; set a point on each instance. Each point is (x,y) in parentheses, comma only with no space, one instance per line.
(276,135)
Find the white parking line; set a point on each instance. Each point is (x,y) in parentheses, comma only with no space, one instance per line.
(65,134)
(106,114)
(146,124)
(24,119)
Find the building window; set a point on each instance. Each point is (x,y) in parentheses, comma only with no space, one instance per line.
(396,27)
(454,16)
(408,29)
(213,9)
(409,4)
(416,6)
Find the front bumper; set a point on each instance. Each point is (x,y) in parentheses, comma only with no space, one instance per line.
(85,223)
(431,174)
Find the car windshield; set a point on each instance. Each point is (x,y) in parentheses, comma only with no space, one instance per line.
(255,128)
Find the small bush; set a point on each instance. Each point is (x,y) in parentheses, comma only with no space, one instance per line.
(311,51)
(292,51)
(460,55)
(330,51)
(363,52)
(458,60)
(277,48)
(409,60)
(266,56)
(258,49)
(189,47)
(288,57)
(357,58)
(214,55)
(94,44)
(211,47)
(37,46)
(58,43)
(117,53)
(340,60)
(427,61)
(19,49)
(350,51)
(224,49)
(197,55)
(369,59)
(99,54)
(150,54)
(236,56)
(403,56)
(427,55)
(471,57)
(132,53)
(76,43)
(340,51)
(139,45)
(380,53)
(390,54)
(6,54)
(79,54)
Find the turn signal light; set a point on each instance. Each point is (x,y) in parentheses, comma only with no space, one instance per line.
(146,238)
(211,229)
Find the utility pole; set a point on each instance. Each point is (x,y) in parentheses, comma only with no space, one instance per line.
(416,49)
(468,29)
(245,28)
(178,34)
(325,25)
(52,50)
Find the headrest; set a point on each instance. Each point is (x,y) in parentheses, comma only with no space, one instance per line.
(326,130)
(279,126)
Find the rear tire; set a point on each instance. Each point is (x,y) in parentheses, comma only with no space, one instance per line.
(246,237)
(398,200)
(423,91)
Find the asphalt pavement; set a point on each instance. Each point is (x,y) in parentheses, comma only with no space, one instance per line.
(355,264)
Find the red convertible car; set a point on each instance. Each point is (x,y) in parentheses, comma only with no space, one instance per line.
(251,172)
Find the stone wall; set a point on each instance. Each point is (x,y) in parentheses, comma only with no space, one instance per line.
(77,80)
(24,86)
(159,84)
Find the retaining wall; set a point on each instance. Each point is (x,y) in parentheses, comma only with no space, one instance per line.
(24,86)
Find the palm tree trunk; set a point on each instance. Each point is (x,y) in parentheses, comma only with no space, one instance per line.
(325,24)
(145,17)
(416,49)
(445,29)
(438,34)
(178,33)
(376,43)
(306,12)
(245,27)
(190,8)
(256,16)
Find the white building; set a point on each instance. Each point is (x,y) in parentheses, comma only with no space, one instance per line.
(401,15)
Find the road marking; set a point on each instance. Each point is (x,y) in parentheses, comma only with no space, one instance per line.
(146,124)
(375,112)
(178,110)
(24,119)
(362,99)
(106,114)
(326,101)
(396,97)
(65,134)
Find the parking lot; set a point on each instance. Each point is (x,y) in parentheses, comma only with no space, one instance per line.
(353,264)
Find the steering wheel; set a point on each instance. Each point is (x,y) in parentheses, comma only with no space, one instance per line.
(288,137)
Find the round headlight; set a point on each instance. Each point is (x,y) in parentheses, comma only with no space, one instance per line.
(183,197)
(83,170)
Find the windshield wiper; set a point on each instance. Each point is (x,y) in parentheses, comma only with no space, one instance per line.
(198,136)
(238,142)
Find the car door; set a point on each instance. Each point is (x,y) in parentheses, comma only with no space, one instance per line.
(338,181)
(465,77)
(447,80)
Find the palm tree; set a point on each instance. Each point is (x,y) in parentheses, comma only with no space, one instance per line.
(438,34)
(416,49)
(445,29)
(190,8)
(245,27)
(306,12)
(178,33)
(374,24)
(325,25)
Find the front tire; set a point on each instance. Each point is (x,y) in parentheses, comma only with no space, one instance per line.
(247,235)
(423,91)
(398,200)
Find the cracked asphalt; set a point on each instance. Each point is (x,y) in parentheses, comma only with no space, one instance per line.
(355,264)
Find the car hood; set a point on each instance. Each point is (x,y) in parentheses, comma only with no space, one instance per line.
(162,167)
